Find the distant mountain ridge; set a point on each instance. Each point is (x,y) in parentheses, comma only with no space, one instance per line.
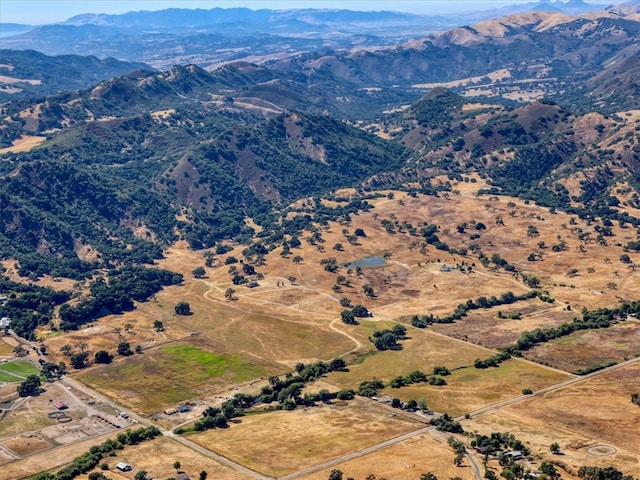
(209,37)
(29,74)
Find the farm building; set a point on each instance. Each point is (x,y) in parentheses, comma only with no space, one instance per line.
(447,268)
(60,405)
(516,455)
(123,467)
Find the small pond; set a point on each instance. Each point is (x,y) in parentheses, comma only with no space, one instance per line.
(367,262)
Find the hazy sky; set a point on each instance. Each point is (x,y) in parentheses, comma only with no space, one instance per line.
(36,12)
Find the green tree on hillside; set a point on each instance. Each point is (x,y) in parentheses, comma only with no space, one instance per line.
(124,349)
(30,386)
(78,360)
(199,272)
(183,308)
(102,356)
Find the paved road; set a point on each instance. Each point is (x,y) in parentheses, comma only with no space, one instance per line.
(476,468)
(70,382)
(551,388)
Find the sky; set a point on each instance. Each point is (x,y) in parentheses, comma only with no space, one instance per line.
(38,12)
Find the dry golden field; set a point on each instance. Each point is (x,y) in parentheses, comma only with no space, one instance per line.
(591,347)
(158,456)
(599,408)
(406,460)
(294,316)
(280,442)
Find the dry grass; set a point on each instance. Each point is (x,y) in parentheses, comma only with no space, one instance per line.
(422,351)
(6,350)
(23,144)
(470,389)
(484,327)
(157,458)
(407,460)
(586,348)
(598,410)
(27,444)
(282,442)
(48,459)
(467,388)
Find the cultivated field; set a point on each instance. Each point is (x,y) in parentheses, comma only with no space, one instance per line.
(16,371)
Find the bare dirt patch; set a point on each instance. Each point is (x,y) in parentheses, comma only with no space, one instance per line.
(601,450)
(27,444)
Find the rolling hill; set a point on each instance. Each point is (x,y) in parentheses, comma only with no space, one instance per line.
(30,74)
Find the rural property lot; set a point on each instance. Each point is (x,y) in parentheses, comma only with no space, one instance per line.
(539,434)
(407,460)
(157,458)
(267,330)
(174,373)
(281,442)
(467,389)
(586,348)
(597,411)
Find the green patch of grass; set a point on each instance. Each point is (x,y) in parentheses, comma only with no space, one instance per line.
(16,370)
(170,375)
(213,365)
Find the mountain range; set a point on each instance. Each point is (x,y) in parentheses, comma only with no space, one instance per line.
(210,37)
(164,149)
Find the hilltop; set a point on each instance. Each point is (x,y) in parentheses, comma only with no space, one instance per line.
(30,74)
